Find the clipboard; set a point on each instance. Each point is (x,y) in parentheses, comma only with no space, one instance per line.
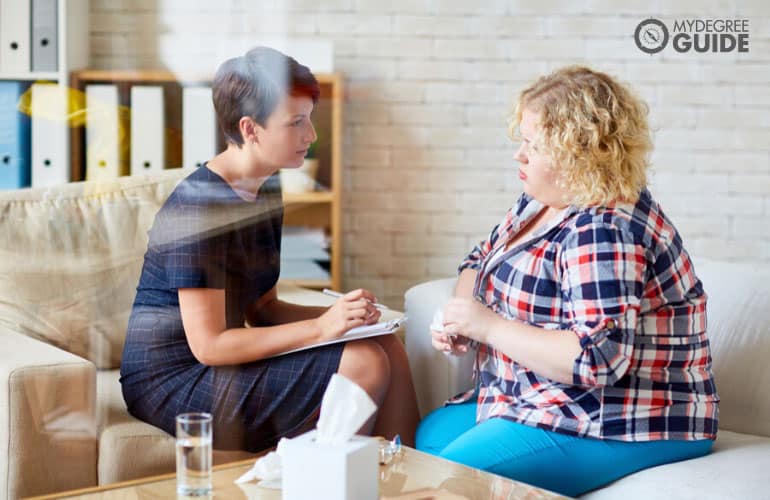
(359,332)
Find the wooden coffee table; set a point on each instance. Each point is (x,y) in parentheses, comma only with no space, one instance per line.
(411,476)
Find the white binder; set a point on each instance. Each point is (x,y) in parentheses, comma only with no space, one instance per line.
(199,126)
(15,36)
(147,130)
(50,147)
(105,133)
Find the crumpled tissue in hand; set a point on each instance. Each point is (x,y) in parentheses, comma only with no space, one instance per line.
(437,325)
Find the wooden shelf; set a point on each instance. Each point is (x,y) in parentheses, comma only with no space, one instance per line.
(314,284)
(162,75)
(311,197)
(140,76)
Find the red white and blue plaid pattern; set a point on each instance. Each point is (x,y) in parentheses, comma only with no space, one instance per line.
(619,278)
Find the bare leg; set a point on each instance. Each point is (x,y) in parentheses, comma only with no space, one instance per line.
(366,363)
(398,413)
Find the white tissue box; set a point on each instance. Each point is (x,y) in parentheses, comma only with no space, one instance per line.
(344,472)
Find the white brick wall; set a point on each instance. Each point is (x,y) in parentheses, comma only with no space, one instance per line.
(428,168)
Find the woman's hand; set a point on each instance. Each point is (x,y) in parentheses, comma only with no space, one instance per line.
(456,346)
(468,318)
(353,309)
(448,344)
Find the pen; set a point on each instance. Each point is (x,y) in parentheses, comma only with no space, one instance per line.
(332,293)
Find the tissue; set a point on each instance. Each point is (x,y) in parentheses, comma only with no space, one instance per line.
(267,469)
(329,462)
(345,407)
(437,325)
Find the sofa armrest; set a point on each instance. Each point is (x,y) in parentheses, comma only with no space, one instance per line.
(47,418)
(436,376)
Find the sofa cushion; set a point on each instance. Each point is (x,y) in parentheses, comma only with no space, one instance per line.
(71,259)
(735,468)
(130,448)
(739,332)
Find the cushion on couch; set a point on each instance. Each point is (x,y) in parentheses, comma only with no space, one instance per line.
(739,332)
(130,448)
(736,468)
(70,262)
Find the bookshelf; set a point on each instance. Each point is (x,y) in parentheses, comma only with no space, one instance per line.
(41,42)
(320,209)
(71,39)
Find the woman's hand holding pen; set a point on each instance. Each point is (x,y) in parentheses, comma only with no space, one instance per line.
(352,309)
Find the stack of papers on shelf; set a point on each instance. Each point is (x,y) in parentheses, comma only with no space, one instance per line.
(304,254)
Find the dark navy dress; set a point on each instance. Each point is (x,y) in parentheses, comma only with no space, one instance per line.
(206,236)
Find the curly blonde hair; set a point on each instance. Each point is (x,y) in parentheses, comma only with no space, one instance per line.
(595,131)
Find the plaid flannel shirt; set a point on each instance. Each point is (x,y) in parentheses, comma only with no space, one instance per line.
(619,279)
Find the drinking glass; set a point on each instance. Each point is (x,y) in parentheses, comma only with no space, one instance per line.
(193,454)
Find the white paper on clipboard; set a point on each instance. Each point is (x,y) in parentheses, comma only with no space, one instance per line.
(360,332)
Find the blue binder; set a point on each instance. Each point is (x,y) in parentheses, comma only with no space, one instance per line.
(15,153)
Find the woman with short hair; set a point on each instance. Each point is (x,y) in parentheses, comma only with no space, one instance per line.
(207,324)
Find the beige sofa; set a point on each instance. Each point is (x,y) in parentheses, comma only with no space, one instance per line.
(739,330)
(70,259)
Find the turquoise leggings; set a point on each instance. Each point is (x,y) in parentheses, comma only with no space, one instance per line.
(558,462)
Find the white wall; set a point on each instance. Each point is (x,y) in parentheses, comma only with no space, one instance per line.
(428,167)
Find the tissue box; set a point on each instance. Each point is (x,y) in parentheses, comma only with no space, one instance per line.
(345,472)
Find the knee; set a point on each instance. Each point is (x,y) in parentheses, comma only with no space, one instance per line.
(366,363)
(423,441)
(426,436)
(390,343)
(393,347)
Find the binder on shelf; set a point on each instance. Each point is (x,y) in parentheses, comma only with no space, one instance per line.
(14,36)
(106,134)
(14,137)
(44,39)
(15,51)
(147,130)
(50,140)
(199,126)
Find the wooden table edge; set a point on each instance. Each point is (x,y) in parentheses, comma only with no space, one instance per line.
(138,481)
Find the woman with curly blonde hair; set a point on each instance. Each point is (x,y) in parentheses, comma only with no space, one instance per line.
(583,307)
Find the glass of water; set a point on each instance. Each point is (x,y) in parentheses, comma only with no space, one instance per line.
(193,454)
